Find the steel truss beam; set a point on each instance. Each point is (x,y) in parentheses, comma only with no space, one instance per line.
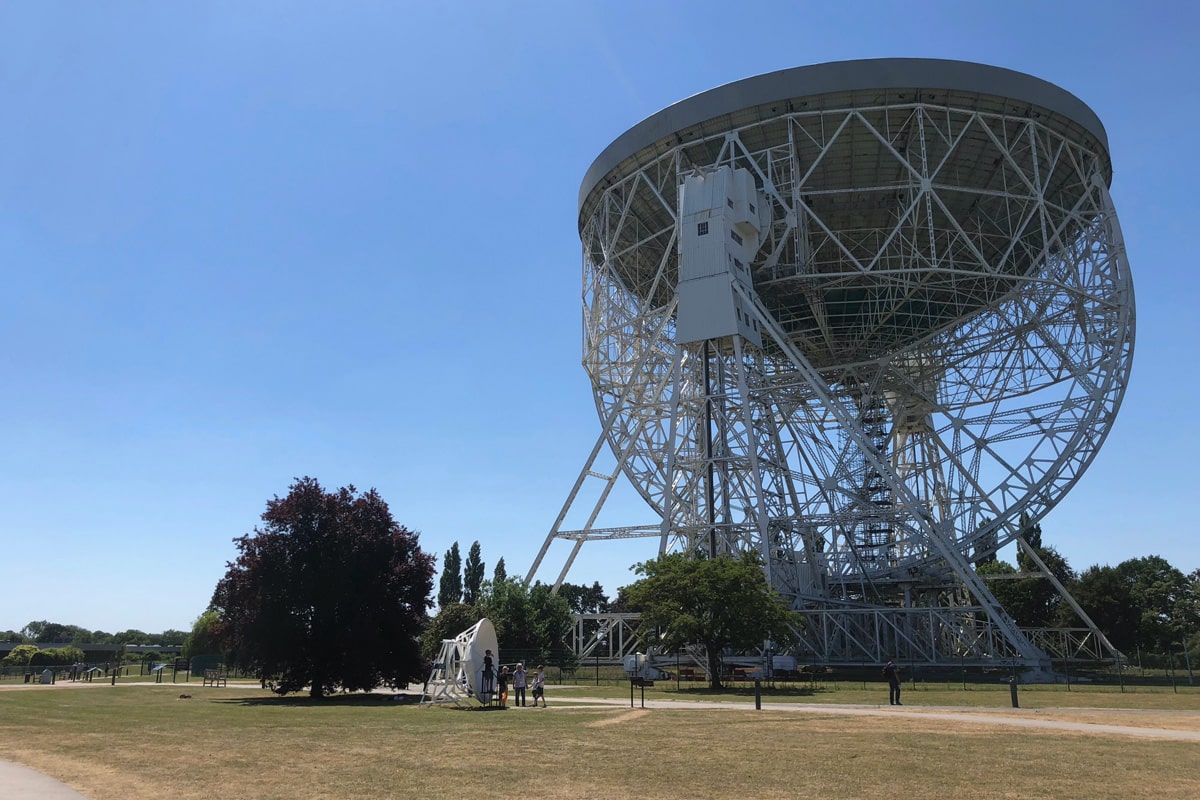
(937,637)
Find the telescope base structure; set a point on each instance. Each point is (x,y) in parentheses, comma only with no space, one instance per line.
(867,320)
(847,638)
(447,685)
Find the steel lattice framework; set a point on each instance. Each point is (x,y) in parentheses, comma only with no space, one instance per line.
(947,326)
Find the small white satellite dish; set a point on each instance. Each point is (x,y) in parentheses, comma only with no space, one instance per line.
(459,672)
(480,646)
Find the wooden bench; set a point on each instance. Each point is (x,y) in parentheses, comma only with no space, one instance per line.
(214,677)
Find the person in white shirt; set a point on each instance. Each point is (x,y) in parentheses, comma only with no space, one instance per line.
(519,685)
(539,681)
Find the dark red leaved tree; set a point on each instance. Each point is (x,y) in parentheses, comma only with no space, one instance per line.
(328,593)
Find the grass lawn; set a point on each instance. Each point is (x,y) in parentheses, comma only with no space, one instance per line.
(135,742)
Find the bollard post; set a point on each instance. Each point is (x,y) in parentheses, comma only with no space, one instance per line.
(757,694)
(1012,689)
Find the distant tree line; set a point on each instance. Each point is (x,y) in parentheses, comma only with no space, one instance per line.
(32,652)
(43,632)
(1143,605)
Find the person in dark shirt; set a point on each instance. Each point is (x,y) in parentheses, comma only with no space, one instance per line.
(489,673)
(892,673)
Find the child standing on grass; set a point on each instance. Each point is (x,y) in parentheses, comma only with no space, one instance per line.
(503,687)
(539,680)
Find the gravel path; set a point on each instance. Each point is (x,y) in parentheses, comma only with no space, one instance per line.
(978,716)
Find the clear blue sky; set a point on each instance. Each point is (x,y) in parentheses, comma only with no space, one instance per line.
(248,241)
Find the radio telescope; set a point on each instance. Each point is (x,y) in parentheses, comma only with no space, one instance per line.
(458,674)
(866,319)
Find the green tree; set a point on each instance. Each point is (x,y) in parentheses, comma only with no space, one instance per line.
(584,599)
(34,630)
(722,602)
(1105,596)
(451,620)
(329,592)
(1141,603)
(1031,532)
(56,657)
(19,656)
(531,619)
(506,604)
(1033,602)
(500,574)
(56,632)
(552,624)
(620,604)
(77,635)
(204,638)
(1165,600)
(984,549)
(1192,639)
(450,586)
(11,636)
(148,657)
(472,575)
(132,636)
(171,637)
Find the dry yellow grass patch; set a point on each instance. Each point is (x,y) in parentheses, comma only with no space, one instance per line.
(1170,720)
(625,716)
(139,743)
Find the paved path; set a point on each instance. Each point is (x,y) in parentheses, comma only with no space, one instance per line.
(23,783)
(1000,717)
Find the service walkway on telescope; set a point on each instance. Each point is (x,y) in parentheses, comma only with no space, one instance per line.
(22,783)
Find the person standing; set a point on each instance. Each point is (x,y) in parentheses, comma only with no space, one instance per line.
(519,685)
(502,686)
(892,673)
(489,674)
(538,686)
